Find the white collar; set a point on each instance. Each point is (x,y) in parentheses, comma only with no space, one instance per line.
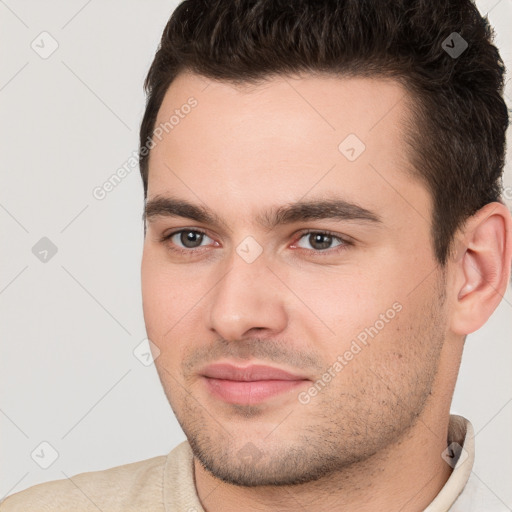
(461,451)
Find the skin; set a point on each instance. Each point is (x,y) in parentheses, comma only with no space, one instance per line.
(242,151)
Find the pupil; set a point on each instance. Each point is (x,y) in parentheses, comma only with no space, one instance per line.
(190,238)
(317,239)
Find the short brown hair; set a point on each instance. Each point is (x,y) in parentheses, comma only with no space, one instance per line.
(459,116)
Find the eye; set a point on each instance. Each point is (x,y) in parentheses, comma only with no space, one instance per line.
(188,241)
(185,240)
(321,241)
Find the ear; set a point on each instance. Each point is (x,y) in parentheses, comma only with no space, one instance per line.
(482,267)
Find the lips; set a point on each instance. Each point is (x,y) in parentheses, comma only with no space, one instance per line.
(249,385)
(249,373)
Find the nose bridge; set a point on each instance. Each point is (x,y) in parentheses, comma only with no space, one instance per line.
(247,296)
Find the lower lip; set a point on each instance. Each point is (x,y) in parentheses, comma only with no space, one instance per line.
(253,392)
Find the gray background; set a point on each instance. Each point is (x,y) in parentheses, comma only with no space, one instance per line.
(68,373)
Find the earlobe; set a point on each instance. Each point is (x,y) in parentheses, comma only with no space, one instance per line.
(482,268)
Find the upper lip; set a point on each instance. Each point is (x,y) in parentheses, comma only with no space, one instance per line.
(249,373)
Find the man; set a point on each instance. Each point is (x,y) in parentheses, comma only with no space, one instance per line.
(323,229)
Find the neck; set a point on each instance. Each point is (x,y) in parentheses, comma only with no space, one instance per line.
(406,476)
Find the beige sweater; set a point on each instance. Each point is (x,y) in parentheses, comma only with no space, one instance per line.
(166,484)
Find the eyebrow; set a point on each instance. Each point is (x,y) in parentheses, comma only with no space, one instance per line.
(320,209)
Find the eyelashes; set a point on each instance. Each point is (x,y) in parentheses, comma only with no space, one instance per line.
(191,251)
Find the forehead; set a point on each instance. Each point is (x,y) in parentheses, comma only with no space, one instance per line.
(284,139)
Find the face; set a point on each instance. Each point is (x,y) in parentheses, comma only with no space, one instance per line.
(341,292)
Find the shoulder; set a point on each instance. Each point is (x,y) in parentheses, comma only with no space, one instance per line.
(126,488)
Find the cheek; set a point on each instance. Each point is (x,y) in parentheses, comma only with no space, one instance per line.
(151,289)
(171,302)
(160,295)
(350,301)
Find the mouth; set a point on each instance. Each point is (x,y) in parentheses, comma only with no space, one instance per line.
(251,384)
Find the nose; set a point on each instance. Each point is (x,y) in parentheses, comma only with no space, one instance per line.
(248,297)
